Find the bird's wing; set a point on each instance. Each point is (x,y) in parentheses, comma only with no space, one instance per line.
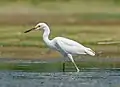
(69,46)
(59,47)
(68,42)
(90,51)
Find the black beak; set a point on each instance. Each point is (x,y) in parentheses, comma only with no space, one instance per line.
(29,30)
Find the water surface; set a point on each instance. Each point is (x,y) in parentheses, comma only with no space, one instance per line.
(98,78)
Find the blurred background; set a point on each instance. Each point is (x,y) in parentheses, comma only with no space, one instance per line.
(93,23)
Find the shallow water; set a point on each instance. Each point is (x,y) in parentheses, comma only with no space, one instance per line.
(102,78)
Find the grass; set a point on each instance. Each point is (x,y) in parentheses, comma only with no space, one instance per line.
(73,12)
(91,23)
(14,36)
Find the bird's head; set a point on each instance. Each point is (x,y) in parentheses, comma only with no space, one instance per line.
(39,26)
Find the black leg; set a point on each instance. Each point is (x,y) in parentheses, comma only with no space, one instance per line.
(65,56)
(63,66)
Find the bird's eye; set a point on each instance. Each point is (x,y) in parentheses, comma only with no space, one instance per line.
(39,26)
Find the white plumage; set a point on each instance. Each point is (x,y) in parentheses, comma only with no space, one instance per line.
(66,47)
(70,46)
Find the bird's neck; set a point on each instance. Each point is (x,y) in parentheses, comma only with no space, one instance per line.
(46,35)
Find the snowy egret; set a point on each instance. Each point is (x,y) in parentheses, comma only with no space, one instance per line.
(65,46)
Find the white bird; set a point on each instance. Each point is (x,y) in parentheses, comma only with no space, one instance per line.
(65,46)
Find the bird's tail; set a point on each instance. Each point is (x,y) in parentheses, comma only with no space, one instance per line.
(90,52)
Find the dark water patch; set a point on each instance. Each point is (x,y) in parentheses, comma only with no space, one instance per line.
(57,66)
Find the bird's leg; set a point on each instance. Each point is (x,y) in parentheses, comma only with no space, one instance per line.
(64,66)
(71,58)
(64,62)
